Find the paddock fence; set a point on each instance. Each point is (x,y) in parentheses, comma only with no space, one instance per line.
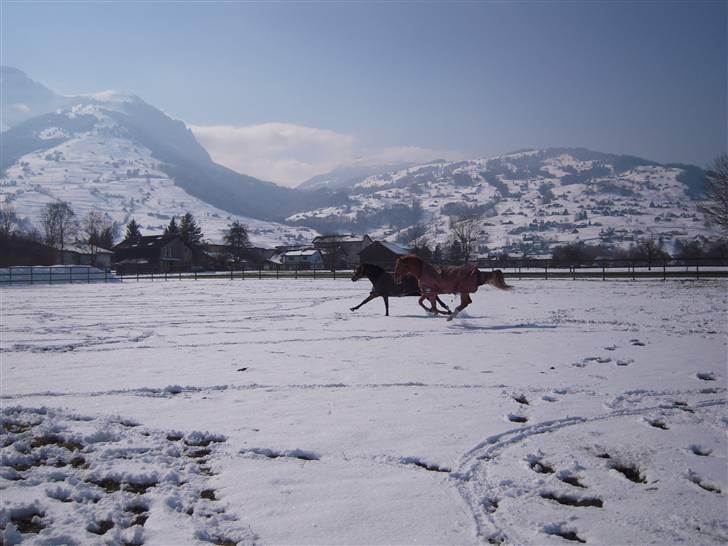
(606,269)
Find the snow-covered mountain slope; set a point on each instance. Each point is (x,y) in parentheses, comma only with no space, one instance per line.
(114,153)
(527,202)
(348,176)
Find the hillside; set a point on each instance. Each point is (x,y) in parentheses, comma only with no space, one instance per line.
(526,202)
(114,153)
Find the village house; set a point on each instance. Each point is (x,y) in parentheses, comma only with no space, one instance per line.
(299,259)
(383,253)
(81,254)
(341,251)
(152,254)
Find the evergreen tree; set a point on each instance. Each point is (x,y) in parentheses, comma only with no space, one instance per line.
(172,228)
(455,254)
(190,231)
(133,232)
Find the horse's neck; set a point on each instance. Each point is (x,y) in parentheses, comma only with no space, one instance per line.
(373,274)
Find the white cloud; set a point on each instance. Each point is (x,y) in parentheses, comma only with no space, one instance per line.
(289,154)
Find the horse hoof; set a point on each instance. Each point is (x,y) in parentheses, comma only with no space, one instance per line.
(352,309)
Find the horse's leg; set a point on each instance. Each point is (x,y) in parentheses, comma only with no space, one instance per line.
(422,298)
(464,302)
(366,300)
(443,304)
(432,308)
(386,305)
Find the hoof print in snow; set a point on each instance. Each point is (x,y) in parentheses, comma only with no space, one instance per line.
(521,399)
(290,454)
(490,504)
(56,440)
(563,532)
(637,342)
(705,376)
(571,480)
(535,463)
(208,494)
(700,450)
(242,370)
(175,436)
(198,453)
(625,362)
(416,461)
(632,473)
(657,423)
(203,439)
(703,484)
(569,500)
(512,417)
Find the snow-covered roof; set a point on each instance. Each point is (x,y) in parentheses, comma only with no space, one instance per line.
(307,252)
(394,247)
(340,238)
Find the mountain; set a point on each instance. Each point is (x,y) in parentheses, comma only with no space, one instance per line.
(526,202)
(115,153)
(349,176)
(22,98)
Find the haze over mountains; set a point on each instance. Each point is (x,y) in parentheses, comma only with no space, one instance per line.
(115,153)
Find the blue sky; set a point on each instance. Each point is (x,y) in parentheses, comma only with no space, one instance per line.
(293,89)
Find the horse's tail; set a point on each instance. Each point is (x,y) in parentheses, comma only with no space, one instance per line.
(495,278)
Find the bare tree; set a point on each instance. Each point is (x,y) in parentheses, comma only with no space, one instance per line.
(59,224)
(715,206)
(465,233)
(237,241)
(8,220)
(96,231)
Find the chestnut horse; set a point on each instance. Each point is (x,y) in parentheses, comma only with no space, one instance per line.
(433,280)
(383,286)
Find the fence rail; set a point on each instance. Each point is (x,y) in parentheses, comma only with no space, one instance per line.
(513,269)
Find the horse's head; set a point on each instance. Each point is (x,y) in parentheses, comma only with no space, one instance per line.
(358,273)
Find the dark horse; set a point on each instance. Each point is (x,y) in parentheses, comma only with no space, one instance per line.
(433,280)
(383,286)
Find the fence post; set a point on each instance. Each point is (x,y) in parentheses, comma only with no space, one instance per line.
(334,273)
(519,272)
(664,269)
(31,275)
(604,271)
(195,274)
(573,272)
(697,270)
(231,273)
(10,276)
(546,269)
(278,271)
(314,272)
(295,273)
(260,272)
(633,273)
(88,275)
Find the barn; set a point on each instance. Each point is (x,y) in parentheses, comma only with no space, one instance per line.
(383,253)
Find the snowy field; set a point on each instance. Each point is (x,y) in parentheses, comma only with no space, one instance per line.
(224,412)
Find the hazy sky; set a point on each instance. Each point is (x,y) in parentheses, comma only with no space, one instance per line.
(286,90)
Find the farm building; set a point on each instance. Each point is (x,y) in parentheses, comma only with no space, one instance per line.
(383,253)
(152,254)
(341,251)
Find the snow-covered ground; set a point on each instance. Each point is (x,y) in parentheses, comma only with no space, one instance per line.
(193,412)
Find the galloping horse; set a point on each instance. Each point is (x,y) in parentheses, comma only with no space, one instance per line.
(383,286)
(433,280)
